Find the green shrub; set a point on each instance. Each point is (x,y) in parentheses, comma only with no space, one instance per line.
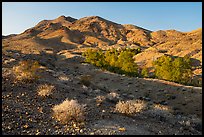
(95,57)
(111,57)
(182,70)
(121,62)
(126,63)
(173,69)
(163,67)
(197,82)
(145,73)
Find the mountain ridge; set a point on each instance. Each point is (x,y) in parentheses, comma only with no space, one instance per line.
(95,31)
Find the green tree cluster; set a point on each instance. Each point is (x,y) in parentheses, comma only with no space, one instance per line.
(173,69)
(95,57)
(176,69)
(121,62)
(145,73)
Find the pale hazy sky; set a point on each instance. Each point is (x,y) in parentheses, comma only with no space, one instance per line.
(182,16)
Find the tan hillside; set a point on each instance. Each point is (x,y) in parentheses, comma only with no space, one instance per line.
(101,29)
(173,43)
(138,35)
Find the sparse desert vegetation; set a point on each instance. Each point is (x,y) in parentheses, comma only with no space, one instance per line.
(69,110)
(85,80)
(45,89)
(100,99)
(26,71)
(130,107)
(113,95)
(161,107)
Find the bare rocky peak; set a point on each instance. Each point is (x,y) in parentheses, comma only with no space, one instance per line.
(92,24)
(95,19)
(68,18)
(132,27)
(195,32)
(61,19)
(167,35)
(8,36)
(92,18)
(42,23)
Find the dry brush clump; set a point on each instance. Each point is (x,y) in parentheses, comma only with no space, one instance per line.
(100,100)
(85,80)
(45,90)
(26,71)
(161,112)
(112,95)
(130,107)
(161,107)
(63,78)
(68,111)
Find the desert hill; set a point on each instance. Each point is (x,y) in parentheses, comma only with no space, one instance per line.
(57,46)
(173,43)
(95,31)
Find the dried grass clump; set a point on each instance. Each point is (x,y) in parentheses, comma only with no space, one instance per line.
(112,95)
(63,78)
(161,107)
(45,90)
(100,99)
(85,80)
(161,112)
(130,107)
(69,110)
(26,71)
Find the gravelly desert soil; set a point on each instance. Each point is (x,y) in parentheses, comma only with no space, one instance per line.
(25,112)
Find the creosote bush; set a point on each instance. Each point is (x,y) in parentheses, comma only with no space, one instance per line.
(130,107)
(45,90)
(69,110)
(26,71)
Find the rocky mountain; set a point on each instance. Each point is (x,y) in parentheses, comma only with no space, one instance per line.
(88,31)
(66,33)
